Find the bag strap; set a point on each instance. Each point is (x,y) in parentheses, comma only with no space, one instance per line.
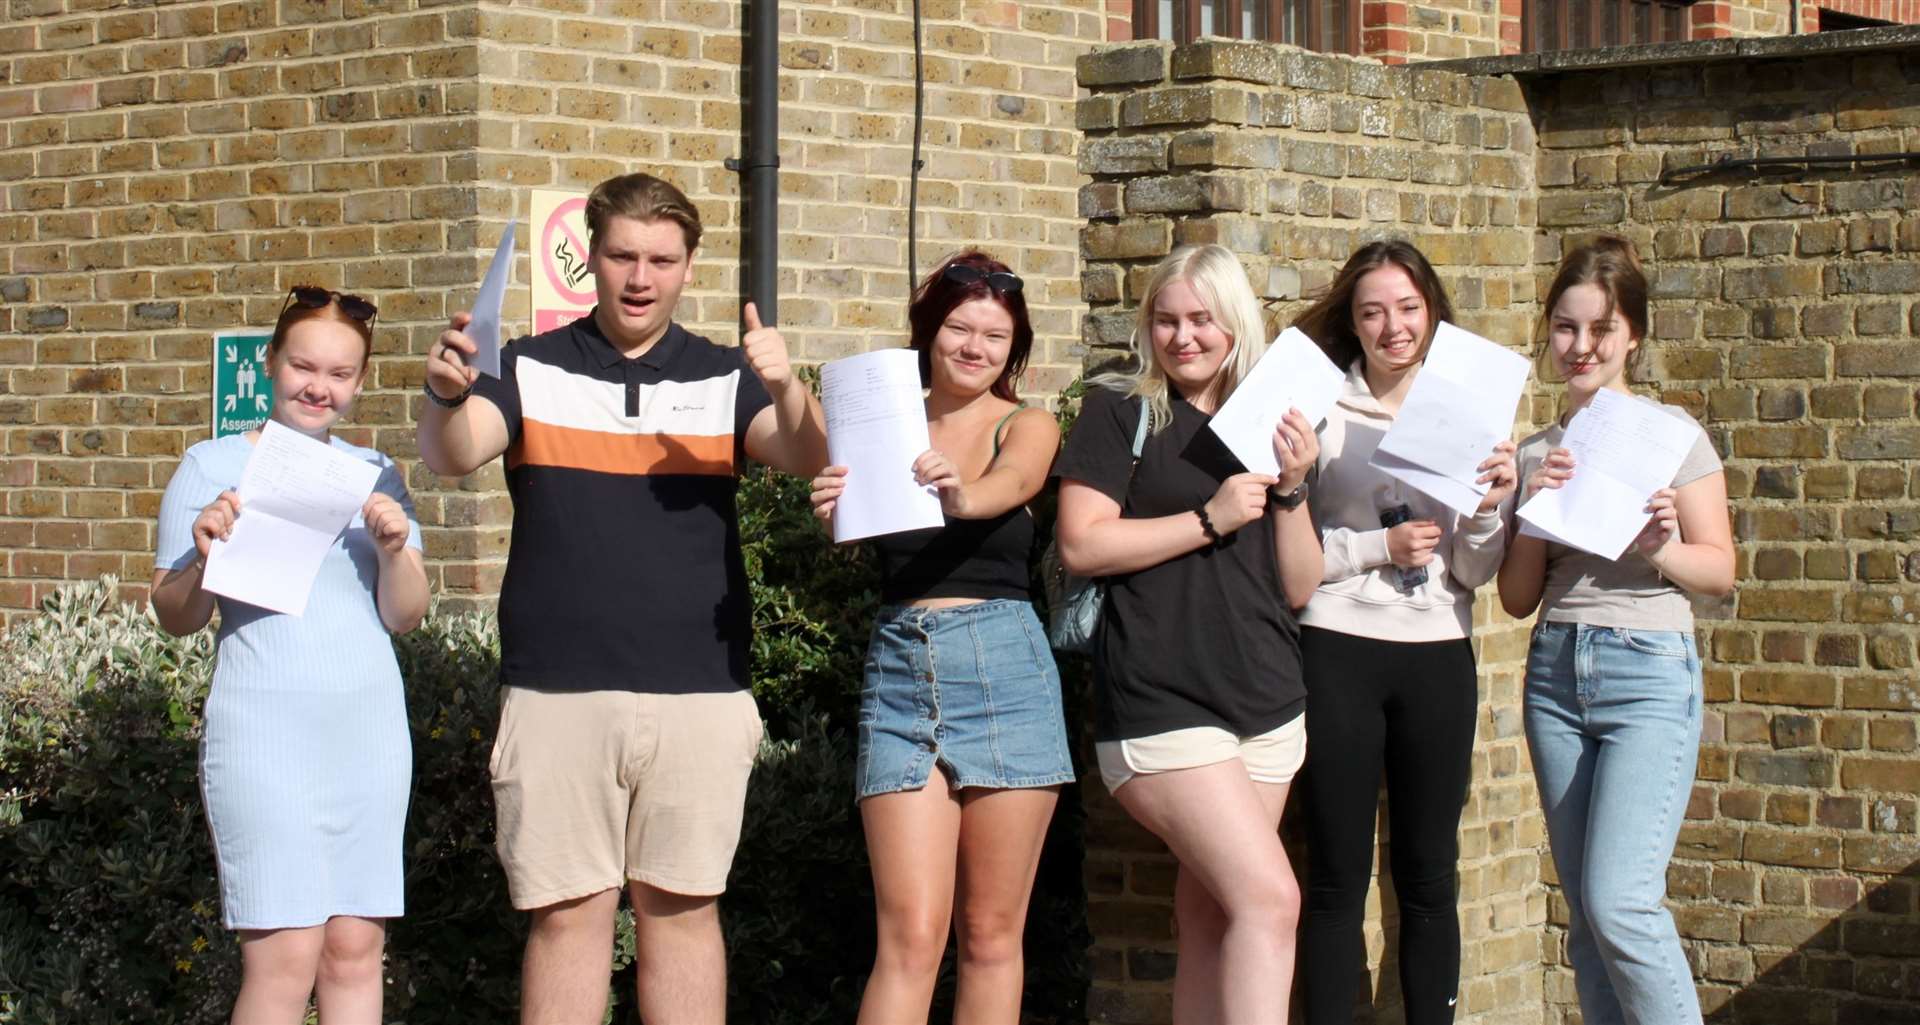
(1140,432)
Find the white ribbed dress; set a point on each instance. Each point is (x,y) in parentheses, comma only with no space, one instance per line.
(306,763)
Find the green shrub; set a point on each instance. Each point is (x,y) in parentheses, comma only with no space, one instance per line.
(813,603)
(109,906)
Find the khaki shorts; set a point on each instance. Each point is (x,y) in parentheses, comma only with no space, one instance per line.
(1271,757)
(595,788)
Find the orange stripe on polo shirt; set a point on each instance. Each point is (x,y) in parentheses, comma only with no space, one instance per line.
(543,444)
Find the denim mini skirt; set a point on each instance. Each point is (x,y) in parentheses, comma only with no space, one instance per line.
(972,688)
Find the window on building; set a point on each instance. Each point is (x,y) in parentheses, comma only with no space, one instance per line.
(1331,26)
(1579,24)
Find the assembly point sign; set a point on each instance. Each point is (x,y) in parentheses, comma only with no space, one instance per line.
(242,396)
(562,286)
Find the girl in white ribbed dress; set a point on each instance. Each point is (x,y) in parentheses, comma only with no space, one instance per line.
(305,764)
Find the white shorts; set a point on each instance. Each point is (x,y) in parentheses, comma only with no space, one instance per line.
(1271,757)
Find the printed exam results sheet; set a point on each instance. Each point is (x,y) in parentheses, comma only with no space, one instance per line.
(296,496)
(876,428)
(1624,449)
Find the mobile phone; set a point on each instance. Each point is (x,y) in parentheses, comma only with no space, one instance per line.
(1410,578)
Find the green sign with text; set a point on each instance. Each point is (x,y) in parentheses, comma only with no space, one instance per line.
(242,395)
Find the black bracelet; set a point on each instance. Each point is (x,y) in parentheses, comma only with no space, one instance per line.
(452,403)
(1206,526)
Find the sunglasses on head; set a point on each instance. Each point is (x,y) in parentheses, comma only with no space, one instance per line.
(313,297)
(1000,281)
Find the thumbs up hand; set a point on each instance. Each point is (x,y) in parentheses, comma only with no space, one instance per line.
(766,351)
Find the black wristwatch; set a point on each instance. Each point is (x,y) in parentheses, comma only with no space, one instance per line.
(452,403)
(1290,500)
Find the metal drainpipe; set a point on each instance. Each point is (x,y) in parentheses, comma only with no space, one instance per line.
(760,170)
(1793,17)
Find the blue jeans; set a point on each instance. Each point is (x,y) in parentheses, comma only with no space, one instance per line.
(1613,723)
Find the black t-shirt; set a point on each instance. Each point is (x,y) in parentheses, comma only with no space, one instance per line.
(1203,639)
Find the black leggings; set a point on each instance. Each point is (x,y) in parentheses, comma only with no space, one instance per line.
(1410,708)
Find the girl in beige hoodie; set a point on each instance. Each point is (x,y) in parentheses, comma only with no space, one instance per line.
(1384,647)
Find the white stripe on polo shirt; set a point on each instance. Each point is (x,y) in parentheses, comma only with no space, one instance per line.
(556,397)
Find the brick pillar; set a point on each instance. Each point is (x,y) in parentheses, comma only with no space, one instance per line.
(1292,159)
(1512,26)
(1384,30)
(1711,19)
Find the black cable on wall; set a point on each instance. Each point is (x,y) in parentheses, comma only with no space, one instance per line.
(913,172)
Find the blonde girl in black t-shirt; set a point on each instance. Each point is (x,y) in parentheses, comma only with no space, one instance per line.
(1197,661)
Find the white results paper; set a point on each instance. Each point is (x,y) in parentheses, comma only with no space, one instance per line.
(1461,405)
(296,496)
(876,428)
(1292,374)
(485,328)
(1624,450)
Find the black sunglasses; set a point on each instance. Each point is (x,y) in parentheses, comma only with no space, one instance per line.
(999,280)
(313,297)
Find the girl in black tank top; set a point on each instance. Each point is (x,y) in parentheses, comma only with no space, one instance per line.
(962,745)
(966,558)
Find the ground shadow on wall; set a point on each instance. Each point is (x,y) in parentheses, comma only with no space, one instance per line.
(1862,967)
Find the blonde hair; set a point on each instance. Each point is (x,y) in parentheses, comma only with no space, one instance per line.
(1220,282)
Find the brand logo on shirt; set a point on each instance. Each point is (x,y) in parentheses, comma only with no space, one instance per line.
(687,409)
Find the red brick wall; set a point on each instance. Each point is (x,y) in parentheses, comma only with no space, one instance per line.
(1398,31)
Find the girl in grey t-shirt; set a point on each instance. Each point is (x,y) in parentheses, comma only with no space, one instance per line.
(1613,696)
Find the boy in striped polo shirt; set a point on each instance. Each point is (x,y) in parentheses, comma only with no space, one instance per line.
(627,731)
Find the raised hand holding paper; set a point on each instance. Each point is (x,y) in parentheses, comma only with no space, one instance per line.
(296,496)
(1460,406)
(876,428)
(485,327)
(1624,450)
(1293,374)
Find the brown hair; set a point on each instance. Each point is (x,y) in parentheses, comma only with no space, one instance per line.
(940,295)
(643,198)
(296,313)
(1610,263)
(1329,321)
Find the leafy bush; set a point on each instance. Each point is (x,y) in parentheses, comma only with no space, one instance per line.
(813,603)
(109,906)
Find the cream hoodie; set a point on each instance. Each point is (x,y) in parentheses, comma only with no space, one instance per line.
(1360,591)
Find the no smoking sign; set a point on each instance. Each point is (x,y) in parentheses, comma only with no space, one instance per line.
(562,286)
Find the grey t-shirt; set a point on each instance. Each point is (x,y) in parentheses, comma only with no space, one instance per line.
(1629,592)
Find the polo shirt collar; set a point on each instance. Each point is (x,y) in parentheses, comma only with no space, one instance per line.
(603,350)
